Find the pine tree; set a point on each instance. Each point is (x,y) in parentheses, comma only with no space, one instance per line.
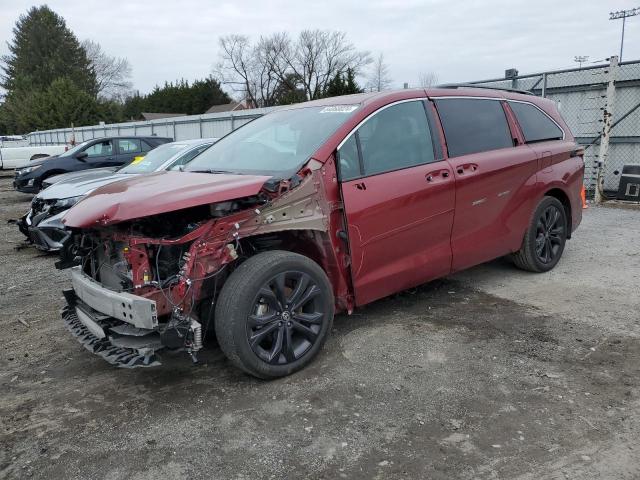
(342,84)
(45,49)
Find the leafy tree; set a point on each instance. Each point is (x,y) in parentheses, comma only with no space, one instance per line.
(44,49)
(342,84)
(58,106)
(179,97)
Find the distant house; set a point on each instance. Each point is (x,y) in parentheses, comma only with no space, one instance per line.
(229,107)
(157,116)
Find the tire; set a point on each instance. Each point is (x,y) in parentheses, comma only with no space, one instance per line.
(545,238)
(253,329)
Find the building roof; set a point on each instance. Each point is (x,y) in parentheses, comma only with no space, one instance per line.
(226,107)
(158,115)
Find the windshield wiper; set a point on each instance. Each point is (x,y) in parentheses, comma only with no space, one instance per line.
(213,171)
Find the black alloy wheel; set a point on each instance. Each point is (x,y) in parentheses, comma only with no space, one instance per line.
(274,313)
(286,318)
(550,234)
(545,239)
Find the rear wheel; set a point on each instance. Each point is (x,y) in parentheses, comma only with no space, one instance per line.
(274,314)
(545,238)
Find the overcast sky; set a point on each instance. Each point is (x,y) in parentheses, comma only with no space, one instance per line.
(459,41)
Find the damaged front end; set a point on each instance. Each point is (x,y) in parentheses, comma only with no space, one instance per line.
(141,285)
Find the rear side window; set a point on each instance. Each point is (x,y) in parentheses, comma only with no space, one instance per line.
(129,145)
(473,125)
(145,146)
(536,126)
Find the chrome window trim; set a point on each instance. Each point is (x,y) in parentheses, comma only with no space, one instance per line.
(354,129)
(564,134)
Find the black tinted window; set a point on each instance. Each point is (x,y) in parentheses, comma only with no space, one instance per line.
(535,125)
(396,137)
(473,125)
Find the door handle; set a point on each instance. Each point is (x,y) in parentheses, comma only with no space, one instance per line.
(431,176)
(466,168)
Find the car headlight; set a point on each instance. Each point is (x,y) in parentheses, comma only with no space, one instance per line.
(68,202)
(25,170)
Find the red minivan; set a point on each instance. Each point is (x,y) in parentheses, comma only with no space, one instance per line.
(316,208)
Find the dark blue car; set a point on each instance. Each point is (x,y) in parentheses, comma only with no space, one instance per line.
(99,152)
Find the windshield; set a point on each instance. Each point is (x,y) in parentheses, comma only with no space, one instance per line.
(274,144)
(154,159)
(75,149)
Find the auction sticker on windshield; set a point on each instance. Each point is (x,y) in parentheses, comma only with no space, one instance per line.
(339,109)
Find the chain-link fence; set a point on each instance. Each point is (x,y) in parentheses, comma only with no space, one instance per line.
(601,105)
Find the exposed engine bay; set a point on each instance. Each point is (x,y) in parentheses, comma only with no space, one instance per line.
(151,283)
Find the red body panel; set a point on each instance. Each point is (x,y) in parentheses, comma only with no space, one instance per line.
(495,194)
(156,193)
(399,228)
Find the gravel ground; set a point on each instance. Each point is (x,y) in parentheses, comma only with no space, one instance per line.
(492,373)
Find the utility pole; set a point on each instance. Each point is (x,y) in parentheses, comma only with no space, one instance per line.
(623,14)
(607,118)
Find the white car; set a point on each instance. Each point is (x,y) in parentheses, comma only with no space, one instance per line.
(15,157)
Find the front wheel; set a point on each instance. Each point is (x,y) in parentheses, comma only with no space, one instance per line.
(274,314)
(545,238)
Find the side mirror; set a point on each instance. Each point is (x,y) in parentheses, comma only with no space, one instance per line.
(82,156)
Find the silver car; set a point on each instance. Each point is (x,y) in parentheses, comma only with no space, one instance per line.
(42,224)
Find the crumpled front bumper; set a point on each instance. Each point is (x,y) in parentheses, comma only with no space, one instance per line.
(138,311)
(119,327)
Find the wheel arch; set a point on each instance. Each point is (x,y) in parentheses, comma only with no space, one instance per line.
(563,198)
(313,244)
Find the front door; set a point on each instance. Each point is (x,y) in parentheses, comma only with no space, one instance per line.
(100,154)
(399,202)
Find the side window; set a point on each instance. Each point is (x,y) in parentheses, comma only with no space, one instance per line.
(348,160)
(473,125)
(128,145)
(101,149)
(396,137)
(145,146)
(187,157)
(535,125)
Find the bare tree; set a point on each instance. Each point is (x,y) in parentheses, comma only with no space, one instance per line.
(311,60)
(379,76)
(428,79)
(113,74)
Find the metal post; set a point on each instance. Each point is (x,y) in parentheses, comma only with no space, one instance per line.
(174,131)
(607,117)
(624,20)
(544,84)
(200,126)
(233,123)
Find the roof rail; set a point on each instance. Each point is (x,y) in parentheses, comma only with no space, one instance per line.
(471,85)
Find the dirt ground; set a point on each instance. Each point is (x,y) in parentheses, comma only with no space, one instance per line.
(493,373)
